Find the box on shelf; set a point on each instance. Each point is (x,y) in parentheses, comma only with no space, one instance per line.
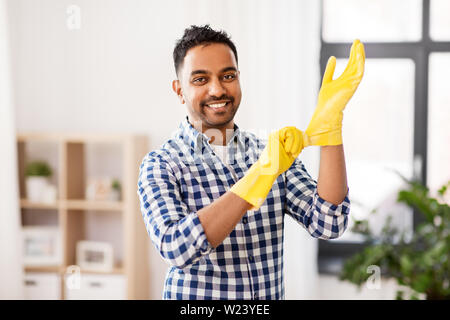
(41,246)
(42,286)
(95,256)
(96,287)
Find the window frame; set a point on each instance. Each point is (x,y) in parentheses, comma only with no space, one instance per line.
(332,254)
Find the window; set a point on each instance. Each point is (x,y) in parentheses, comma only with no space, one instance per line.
(399,112)
(438,171)
(439,21)
(378,135)
(375,20)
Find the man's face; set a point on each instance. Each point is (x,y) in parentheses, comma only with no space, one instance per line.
(209,85)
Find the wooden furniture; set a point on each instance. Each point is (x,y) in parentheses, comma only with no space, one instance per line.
(72,208)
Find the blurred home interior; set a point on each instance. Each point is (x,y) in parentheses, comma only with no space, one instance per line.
(86,93)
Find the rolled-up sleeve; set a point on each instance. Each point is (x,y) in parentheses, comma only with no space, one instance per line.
(322,219)
(177,233)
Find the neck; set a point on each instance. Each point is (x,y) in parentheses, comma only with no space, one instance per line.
(222,138)
(218,135)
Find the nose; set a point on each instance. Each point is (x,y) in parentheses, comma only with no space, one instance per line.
(216,88)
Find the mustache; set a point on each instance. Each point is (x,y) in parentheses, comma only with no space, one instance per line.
(213,99)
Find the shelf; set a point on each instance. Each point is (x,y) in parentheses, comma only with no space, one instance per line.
(44,269)
(117,270)
(60,269)
(74,137)
(80,204)
(26,204)
(75,157)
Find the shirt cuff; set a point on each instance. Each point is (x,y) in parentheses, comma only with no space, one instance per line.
(198,235)
(331,209)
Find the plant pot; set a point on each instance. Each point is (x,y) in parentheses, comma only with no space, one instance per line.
(49,194)
(36,187)
(114,195)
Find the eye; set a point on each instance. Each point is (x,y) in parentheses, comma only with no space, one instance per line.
(229,77)
(199,80)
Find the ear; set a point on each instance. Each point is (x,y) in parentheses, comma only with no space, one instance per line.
(176,87)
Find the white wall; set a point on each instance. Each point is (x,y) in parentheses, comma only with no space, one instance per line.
(114,75)
(11,275)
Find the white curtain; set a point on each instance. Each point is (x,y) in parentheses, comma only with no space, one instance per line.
(11,272)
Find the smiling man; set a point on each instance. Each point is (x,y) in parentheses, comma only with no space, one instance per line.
(208,83)
(214,197)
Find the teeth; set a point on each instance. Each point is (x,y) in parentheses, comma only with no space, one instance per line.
(217,105)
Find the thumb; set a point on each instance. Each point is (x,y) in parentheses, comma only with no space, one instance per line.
(329,70)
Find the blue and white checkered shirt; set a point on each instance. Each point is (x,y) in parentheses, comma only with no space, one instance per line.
(184,176)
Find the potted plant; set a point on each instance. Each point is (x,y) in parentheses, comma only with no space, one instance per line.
(115,190)
(421,263)
(37,174)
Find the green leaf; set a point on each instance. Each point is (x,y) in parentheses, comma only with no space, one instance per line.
(443,189)
(38,168)
(421,283)
(406,265)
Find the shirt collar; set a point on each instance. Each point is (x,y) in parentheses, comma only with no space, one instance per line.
(196,139)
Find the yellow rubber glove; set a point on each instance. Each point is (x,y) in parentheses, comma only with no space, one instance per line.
(283,146)
(325,127)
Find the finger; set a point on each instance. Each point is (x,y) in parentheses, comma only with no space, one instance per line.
(295,141)
(353,51)
(289,140)
(329,70)
(361,58)
(298,141)
(356,70)
(351,58)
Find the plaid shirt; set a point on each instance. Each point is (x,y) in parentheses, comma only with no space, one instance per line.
(184,176)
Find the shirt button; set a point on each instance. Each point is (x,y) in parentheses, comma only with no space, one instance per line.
(244,220)
(255,296)
(250,258)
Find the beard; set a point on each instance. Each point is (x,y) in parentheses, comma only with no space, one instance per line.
(213,118)
(216,118)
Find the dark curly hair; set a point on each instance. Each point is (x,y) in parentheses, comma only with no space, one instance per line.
(196,35)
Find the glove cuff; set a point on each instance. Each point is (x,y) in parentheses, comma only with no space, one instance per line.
(329,138)
(254,186)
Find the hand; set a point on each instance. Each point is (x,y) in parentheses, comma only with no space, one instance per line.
(283,146)
(325,127)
